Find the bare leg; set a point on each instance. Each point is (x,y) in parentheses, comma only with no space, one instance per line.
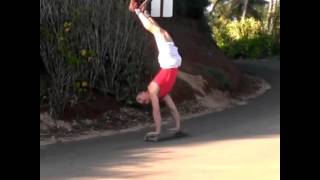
(146,13)
(143,8)
(147,23)
(153,90)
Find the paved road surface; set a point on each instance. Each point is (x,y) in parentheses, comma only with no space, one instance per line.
(241,143)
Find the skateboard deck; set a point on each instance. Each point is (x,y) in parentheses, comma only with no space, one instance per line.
(168,135)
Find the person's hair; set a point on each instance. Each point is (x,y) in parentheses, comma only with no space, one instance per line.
(139,93)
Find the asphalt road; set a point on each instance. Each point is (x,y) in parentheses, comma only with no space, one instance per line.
(240,143)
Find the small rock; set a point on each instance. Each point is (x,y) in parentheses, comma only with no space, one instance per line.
(74,123)
(64,125)
(88,122)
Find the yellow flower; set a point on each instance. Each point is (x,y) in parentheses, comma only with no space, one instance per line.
(83,52)
(84,83)
(67,26)
(67,29)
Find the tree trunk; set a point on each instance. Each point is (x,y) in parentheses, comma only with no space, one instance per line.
(244,9)
(271,10)
(215,4)
(275,20)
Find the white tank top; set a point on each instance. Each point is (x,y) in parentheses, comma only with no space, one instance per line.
(169,56)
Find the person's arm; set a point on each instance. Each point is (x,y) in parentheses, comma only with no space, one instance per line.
(153,89)
(173,110)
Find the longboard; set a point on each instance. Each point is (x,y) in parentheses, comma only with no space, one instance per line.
(167,135)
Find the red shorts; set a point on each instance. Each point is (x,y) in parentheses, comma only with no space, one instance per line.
(166,79)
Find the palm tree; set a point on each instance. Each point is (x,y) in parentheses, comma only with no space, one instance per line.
(244,9)
(239,8)
(272,14)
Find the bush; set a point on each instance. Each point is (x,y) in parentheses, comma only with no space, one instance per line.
(246,38)
(244,29)
(257,47)
(90,44)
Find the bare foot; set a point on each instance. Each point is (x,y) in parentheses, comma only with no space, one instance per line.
(143,5)
(133,5)
(175,129)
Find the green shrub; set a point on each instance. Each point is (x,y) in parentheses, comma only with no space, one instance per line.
(97,43)
(246,38)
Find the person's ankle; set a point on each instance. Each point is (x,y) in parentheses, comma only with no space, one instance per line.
(146,13)
(144,5)
(137,11)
